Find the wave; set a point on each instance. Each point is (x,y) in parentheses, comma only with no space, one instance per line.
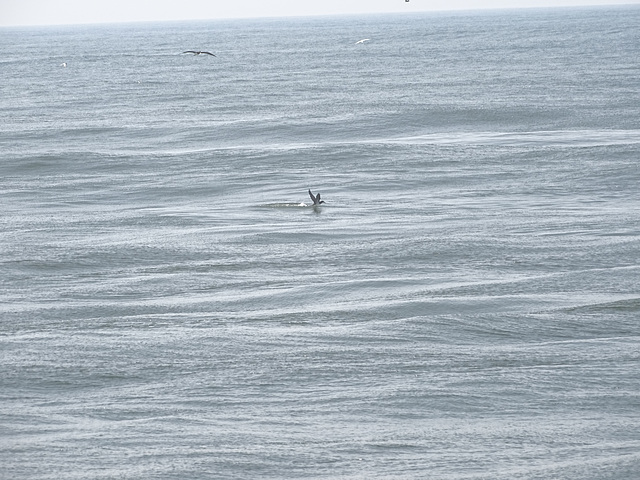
(625,305)
(572,138)
(557,139)
(285,205)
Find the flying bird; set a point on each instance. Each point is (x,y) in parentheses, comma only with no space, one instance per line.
(198,52)
(315,198)
(362,41)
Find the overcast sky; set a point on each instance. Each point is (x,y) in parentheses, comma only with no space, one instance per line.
(47,12)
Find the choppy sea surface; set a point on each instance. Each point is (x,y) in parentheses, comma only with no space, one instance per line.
(465,305)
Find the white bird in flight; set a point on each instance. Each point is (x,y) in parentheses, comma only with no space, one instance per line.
(198,52)
(362,41)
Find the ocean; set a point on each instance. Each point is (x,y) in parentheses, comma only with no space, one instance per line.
(464,305)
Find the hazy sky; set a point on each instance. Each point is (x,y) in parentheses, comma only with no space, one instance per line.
(43,12)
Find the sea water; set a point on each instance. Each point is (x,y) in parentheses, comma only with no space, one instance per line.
(465,305)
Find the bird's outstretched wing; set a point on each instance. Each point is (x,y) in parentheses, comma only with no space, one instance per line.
(208,53)
(191,51)
(313,198)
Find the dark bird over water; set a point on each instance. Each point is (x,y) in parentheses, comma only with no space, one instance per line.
(198,52)
(315,198)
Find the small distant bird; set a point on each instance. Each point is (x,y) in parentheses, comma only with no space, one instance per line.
(315,198)
(362,41)
(198,52)
(63,64)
